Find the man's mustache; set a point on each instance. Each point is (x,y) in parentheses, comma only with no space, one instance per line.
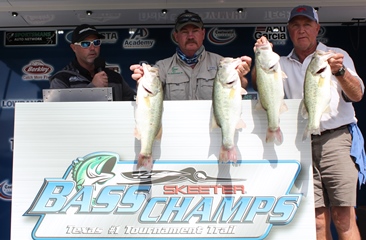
(191,41)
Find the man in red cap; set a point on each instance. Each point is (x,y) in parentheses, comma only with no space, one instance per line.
(338,153)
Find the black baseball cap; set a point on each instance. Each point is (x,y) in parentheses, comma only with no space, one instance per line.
(83,31)
(187,18)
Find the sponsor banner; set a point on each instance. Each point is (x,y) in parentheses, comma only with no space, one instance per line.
(82,175)
(5,190)
(37,70)
(221,36)
(31,38)
(138,39)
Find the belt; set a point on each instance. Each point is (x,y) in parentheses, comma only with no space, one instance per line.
(334,129)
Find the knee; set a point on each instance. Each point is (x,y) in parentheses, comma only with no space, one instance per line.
(342,218)
(321,218)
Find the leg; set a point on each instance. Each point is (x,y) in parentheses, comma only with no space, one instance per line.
(322,215)
(344,219)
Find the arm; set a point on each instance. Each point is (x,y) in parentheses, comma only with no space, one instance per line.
(58,83)
(243,69)
(128,94)
(352,85)
(254,79)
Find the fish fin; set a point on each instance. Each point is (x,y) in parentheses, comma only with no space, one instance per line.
(304,112)
(137,134)
(214,122)
(145,162)
(321,81)
(315,131)
(305,134)
(308,132)
(284,76)
(275,136)
(227,155)
(258,105)
(283,107)
(240,124)
(243,91)
(160,133)
(327,110)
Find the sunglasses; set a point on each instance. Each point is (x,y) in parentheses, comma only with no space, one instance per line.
(189,18)
(86,44)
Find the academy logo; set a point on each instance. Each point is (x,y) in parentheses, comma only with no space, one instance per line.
(220,36)
(5,190)
(275,34)
(138,39)
(101,196)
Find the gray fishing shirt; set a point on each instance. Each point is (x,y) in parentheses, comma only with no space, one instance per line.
(182,82)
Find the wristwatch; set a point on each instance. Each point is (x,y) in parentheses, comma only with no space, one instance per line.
(341,71)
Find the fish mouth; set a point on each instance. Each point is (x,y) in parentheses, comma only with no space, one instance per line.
(321,70)
(230,83)
(147,90)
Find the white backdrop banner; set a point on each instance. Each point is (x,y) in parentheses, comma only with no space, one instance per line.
(75,176)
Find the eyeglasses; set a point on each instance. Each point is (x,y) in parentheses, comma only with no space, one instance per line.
(86,44)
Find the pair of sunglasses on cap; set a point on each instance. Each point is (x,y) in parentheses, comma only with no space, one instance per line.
(86,44)
(188,17)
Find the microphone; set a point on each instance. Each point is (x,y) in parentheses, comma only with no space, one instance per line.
(99,64)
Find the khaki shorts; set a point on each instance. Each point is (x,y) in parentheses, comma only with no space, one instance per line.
(335,173)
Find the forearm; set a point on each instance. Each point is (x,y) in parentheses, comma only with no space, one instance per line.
(351,86)
(244,82)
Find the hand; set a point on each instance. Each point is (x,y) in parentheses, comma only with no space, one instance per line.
(138,72)
(261,41)
(100,79)
(336,62)
(244,67)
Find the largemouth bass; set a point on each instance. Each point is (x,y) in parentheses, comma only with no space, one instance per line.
(148,114)
(270,89)
(226,101)
(317,94)
(93,169)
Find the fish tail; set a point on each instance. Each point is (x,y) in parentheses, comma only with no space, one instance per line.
(145,161)
(308,132)
(274,135)
(228,155)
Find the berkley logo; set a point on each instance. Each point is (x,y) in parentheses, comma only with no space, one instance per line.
(37,67)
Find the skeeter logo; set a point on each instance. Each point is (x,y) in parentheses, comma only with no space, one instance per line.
(101,196)
(219,36)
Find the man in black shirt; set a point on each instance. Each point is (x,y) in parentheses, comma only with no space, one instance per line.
(85,72)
